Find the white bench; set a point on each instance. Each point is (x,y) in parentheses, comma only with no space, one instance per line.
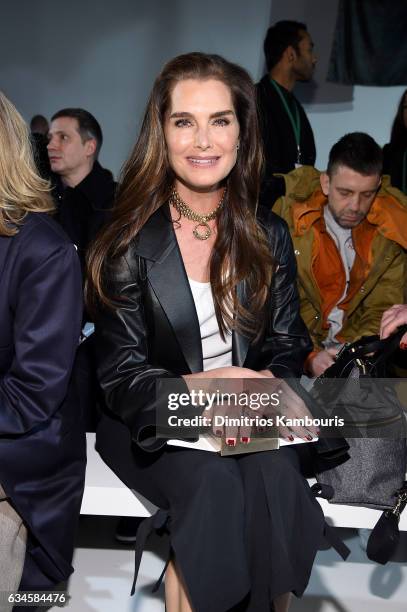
(106,495)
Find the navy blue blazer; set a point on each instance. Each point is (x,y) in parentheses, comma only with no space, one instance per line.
(42,438)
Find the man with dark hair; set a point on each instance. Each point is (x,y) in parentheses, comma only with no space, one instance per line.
(348,229)
(357,151)
(84,190)
(84,193)
(286,132)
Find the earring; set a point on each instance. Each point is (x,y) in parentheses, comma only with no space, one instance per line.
(237,146)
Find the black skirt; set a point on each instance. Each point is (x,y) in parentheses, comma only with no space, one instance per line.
(242,530)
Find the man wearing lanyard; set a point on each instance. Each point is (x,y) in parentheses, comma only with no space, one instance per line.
(286,132)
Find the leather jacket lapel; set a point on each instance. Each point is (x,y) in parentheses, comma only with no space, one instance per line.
(166,273)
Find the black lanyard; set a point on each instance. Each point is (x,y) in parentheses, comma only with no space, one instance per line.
(294,120)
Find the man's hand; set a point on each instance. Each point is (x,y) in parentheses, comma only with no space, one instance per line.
(393,318)
(323,360)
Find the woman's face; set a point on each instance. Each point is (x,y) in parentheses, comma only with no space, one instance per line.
(202,133)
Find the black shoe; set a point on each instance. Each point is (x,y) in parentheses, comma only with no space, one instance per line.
(126,529)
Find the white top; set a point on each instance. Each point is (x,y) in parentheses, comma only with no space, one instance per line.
(216,353)
(343,239)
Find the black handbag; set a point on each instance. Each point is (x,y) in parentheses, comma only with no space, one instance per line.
(385,535)
(356,390)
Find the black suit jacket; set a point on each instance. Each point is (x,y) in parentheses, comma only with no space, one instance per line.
(280,148)
(154,332)
(82,210)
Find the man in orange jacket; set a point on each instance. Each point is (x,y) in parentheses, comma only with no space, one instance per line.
(349,229)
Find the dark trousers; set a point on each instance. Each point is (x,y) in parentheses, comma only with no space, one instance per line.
(242,527)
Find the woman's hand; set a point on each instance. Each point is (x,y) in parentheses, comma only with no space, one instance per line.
(253,384)
(290,409)
(235,373)
(392,319)
(292,406)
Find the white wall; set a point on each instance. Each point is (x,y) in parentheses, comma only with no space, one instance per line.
(104,55)
(372,110)
(335,109)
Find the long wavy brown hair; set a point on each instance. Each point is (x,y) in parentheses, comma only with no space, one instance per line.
(22,190)
(241,251)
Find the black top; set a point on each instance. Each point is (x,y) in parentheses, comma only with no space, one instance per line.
(39,144)
(83,209)
(280,148)
(393,160)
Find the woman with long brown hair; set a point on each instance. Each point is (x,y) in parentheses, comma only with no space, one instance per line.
(189,281)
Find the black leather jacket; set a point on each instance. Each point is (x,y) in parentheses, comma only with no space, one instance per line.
(154,332)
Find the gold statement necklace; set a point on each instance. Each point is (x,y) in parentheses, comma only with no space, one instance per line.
(201,220)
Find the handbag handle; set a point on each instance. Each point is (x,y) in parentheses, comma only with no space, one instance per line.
(373,347)
(373,344)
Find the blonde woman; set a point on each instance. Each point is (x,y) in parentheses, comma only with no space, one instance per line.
(42,443)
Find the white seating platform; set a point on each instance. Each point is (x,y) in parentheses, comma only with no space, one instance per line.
(106,495)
